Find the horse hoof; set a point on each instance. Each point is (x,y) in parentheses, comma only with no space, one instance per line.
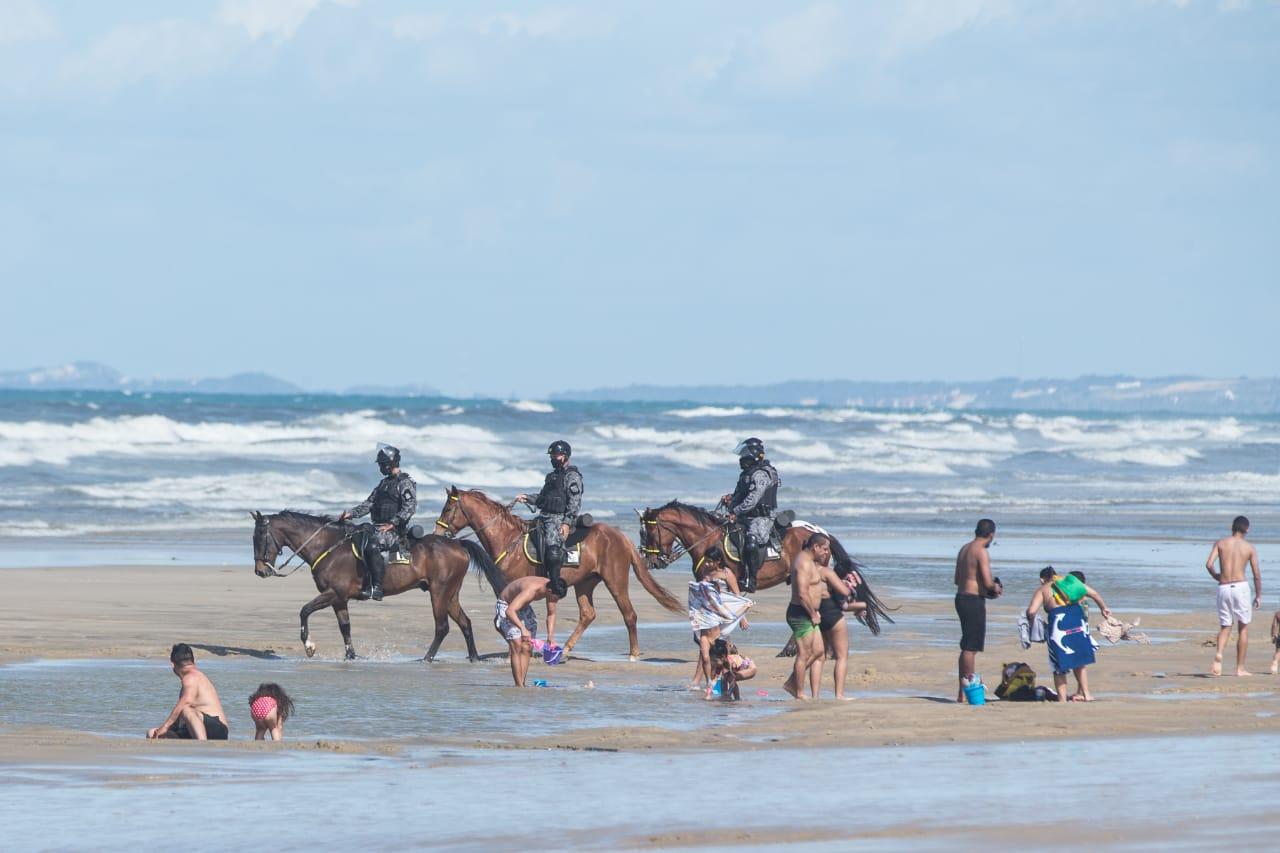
(310,649)
(633,658)
(351,653)
(428,659)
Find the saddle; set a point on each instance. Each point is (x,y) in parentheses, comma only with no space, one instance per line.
(735,537)
(398,554)
(534,547)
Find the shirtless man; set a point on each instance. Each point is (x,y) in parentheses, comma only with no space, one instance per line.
(198,714)
(1231,554)
(803,615)
(514,598)
(974,585)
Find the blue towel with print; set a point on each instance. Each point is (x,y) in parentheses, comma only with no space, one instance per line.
(1069,642)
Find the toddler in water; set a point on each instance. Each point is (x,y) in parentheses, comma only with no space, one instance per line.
(270,706)
(729,667)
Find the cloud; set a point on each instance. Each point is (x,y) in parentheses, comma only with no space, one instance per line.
(279,19)
(800,47)
(796,50)
(559,24)
(24,20)
(167,52)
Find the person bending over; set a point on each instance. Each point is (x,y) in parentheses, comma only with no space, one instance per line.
(270,707)
(514,620)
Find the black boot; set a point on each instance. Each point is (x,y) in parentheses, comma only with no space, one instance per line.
(377,570)
(751,563)
(554,561)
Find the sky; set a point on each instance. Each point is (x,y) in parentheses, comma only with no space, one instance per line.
(499,198)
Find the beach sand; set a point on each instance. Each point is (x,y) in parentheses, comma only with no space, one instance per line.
(1160,726)
(903,681)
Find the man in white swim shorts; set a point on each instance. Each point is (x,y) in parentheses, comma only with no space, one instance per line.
(1232,554)
(514,620)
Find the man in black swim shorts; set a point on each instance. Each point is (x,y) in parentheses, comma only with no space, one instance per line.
(974,585)
(198,715)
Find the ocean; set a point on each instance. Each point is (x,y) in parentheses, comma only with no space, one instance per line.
(107,477)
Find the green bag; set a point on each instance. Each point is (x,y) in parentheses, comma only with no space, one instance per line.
(1068,589)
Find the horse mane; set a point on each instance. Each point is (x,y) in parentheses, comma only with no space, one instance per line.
(299,515)
(697,512)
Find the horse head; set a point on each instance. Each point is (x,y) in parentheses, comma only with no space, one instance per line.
(657,540)
(452,517)
(266,548)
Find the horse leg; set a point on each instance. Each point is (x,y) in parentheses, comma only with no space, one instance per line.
(583,589)
(344,625)
(623,599)
(457,614)
(322,600)
(439,609)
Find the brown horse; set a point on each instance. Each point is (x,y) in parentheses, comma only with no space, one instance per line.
(607,555)
(696,530)
(436,565)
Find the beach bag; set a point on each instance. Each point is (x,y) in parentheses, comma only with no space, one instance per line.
(1068,589)
(1017,683)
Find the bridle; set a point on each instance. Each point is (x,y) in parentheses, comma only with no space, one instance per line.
(274,572)
(678,549)
(449,533)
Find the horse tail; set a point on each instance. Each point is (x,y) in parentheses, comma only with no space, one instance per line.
(657,590)
(478,560)
(876,609)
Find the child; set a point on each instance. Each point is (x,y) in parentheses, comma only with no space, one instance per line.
(730,667)
(270,706)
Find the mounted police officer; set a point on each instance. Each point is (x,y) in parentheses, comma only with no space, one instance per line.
(558,505)
(389,506)
(754,503)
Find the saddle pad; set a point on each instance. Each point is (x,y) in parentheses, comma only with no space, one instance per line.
(731,551)
(571,558)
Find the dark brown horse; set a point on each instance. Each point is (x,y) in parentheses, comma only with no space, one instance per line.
(607,555)
(696,530)
(436,565)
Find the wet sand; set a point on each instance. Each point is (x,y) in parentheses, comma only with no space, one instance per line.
(903,680)
(390,736)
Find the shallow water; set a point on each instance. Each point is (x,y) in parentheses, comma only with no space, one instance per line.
(1149,793)
(365,699)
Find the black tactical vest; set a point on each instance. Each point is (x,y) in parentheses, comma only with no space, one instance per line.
(386,503)
(554,497)
(768,501)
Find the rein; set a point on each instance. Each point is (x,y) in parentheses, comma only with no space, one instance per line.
(276,572)
(450,532)
(678,548)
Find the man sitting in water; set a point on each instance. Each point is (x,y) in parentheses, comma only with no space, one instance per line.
(513,601)
(1232,554)
(198,714)
(803,614)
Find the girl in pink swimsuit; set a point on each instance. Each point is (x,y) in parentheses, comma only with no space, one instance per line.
(270,706)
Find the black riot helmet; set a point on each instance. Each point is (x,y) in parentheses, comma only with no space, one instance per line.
(749,450)
(388,458)
(557,447)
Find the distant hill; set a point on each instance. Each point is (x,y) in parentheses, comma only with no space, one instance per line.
(92,376)
(1190,394)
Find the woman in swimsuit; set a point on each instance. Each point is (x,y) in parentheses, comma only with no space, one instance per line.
(837,599)
(270,706)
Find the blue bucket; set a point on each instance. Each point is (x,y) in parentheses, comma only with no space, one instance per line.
(975,694)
